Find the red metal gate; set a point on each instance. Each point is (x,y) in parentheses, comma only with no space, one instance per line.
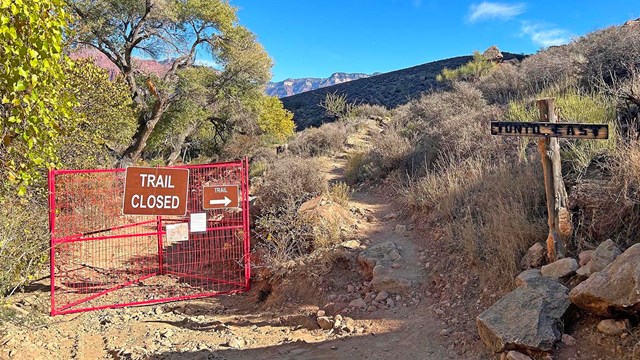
(101,258)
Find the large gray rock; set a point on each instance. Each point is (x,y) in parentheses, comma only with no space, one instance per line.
(560,268)
(534,257)
(527,318)
(603,255)
(614,290)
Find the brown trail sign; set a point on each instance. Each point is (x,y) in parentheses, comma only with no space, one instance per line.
(550,130)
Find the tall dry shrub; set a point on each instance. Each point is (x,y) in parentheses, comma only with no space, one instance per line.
(324,140)
(453,122)
(287,184)
(490,210)
(24,241)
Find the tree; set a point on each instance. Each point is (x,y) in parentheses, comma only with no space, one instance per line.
(171,28)
(34,111)
(275,121)
(104,115)
(211,104)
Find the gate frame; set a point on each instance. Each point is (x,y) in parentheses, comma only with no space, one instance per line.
(244,186)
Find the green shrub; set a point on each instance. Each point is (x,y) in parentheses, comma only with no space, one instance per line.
(473,70)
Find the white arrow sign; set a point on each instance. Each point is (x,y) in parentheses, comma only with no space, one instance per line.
(226,201)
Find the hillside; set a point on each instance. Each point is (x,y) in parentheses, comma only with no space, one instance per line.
(389,89)
(291,87)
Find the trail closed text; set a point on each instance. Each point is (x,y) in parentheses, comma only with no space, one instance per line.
(155,191)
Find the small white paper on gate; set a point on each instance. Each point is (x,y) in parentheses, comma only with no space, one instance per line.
(177,232)
(198,222)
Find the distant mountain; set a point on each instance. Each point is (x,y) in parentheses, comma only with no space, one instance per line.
(295,86)
(389,89)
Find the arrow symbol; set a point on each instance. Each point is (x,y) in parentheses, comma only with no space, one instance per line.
(224,202)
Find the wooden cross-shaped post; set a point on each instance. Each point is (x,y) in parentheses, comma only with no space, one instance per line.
(550,130)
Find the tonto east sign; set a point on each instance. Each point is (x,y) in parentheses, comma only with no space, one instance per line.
(155,191)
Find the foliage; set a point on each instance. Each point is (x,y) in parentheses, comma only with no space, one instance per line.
(275,121)
(105,116)
(176,29)
(337,106)
(34,111)
(370,111)
(473,70)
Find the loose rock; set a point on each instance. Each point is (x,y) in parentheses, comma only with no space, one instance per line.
(382,296)
(529,317)
(584,257)
(603,255)
(614,290)
(514,355)
(401,229)
(325,323)
(534,257)
(527,275)
(613,327)
(560,268)
(358,303)
(568,340)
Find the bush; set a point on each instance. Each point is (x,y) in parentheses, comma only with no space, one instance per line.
(505,84)
(473,70)
(490,210)
(325,140)
(24,241)
(611,54)
(368,111)
(340,193)
(290,180)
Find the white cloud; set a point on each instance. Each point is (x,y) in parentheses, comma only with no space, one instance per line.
(545,35)
(491,11)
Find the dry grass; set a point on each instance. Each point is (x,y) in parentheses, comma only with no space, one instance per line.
(328,139)
(24,241)
(490,210)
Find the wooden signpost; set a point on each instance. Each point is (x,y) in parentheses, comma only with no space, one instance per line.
(550,130)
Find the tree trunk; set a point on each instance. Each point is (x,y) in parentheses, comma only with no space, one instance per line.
(175,154)
(134,151)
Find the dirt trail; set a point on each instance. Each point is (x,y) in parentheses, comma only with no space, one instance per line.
(422,324)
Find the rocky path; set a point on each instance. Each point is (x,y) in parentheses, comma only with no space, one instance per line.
(398,317)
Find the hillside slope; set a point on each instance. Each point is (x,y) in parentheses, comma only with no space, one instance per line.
(389,89)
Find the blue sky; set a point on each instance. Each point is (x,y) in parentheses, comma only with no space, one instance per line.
(314,38)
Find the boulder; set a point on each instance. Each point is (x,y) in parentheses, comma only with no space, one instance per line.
(529,317)
(493,54)
(603,255)
(560,268)
(614,290)
(527,275)
(534,257)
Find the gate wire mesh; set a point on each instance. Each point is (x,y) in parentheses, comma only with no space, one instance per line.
(101,258)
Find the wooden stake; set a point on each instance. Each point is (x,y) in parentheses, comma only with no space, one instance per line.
(558,215)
